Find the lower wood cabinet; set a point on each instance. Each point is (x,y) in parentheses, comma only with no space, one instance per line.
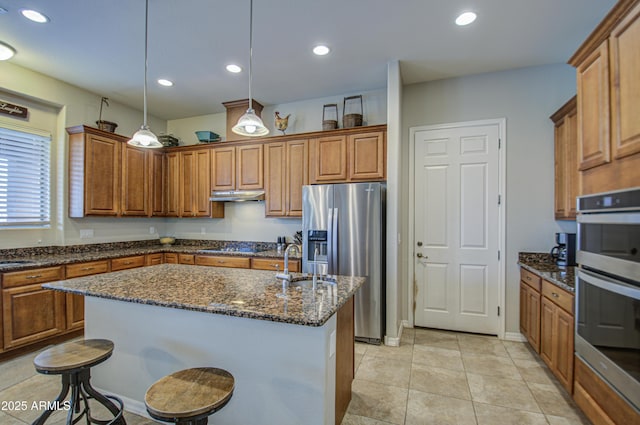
(530,308)
(154,259)
(223,261)
(274,264)
(186,259)
(171,258)
(74,306)
(127,262)
(31,313)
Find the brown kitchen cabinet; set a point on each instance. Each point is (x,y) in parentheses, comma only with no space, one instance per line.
(127,262)
(286,172)
(530,307)
(275,264)
(74,303)
(556,332)
(348,157)
(608,103)
(173,183)
(135,182)
(223,261)
(158,182)
(154,259)
(195,185)
(566,157)
(171,258)
(237,167)
(186,259)
(29,312)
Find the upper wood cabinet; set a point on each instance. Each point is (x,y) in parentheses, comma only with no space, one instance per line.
(566,157)
(286,171)
(349,157)
(237,167)
(134,199)
(157,177)
(195,185)
(608,103)
(173,183)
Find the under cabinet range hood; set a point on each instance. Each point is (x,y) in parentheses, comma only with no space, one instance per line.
(237,195)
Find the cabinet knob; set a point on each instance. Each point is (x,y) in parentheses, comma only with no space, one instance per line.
(34,276)
(555,295)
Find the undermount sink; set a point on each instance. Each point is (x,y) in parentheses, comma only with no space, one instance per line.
(308,283)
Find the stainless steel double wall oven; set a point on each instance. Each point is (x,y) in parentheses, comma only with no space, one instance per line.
(608,289)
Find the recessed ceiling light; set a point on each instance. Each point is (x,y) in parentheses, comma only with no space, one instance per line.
(466,18)
(6,51)
(321,50)
(34,15)
(234,68)
(165,82)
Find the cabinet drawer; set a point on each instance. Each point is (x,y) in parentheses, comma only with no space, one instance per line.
(237,262)
(531,279)
(271,263)
(560,297)
(86,269)
(186,259)
(154,259)
(28,277)
(171,258)
(127,262)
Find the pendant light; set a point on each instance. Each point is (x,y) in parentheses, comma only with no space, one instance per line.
(144,138)
(250,124)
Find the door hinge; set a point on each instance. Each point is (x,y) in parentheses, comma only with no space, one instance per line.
(498,255)
(499,199)
(499,143)
(498,311)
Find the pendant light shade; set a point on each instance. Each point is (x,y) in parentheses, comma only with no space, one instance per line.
(144,138)
(250,124)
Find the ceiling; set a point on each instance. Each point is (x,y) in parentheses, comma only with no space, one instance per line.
(99,45)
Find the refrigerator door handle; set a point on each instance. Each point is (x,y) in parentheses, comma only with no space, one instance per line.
(330,241)
(334,243)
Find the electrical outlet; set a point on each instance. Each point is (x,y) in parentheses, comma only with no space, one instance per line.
(152,230)
(86,233)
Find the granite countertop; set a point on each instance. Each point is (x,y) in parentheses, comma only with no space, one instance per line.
(232,292)
(542,264)
(56,256)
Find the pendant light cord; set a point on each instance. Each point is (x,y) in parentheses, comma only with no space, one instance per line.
(250,50)
(144,90)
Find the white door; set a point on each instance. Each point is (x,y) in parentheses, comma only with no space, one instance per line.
(456,188)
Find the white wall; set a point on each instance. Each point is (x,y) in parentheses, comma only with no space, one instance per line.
(66,105)
(526,98)
(246,221)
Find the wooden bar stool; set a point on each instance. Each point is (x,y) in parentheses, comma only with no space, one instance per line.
(189,396)
(74,360)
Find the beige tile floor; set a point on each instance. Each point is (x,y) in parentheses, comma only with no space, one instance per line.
(434,377)
(442,378)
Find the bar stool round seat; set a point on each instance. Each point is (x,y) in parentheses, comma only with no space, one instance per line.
(73,361)
(189,395)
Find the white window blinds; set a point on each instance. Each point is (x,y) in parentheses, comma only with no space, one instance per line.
(24,178)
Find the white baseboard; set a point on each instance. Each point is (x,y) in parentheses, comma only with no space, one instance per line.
(395,341)
(514,336)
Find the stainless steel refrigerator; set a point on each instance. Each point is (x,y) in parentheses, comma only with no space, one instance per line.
(343,232)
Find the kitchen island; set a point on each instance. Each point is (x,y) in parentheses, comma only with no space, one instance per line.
(292,358)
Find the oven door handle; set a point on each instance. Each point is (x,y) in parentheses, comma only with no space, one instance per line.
(610,285)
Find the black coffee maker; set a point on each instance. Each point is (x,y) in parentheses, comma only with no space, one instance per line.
(564,253)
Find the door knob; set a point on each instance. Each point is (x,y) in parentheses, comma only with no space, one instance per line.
(419,255)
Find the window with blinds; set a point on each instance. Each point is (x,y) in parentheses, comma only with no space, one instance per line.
(24,178)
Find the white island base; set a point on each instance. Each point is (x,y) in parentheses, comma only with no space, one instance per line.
(284,373)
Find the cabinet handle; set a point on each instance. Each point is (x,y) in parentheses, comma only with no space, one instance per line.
(126,263)
(554,295)
(220,261)
(34,276)
(528,277)
(85,269)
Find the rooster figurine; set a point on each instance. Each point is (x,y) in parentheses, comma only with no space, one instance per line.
(282,123)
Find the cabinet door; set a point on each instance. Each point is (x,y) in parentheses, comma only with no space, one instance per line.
(171,258)
(328,159)
(297,175)
(135,181)
(74,311)
(157,174)
(366,156)
(249,174)
(102,176)
(533,300)
(127,262)
(274,264)
(524,310)
(566,168)
(186,258)
(593,109)
(274,181)
(223,261)
(560,171)
(174,182)
(572,177)
(31,313)
(223,168)
(563,348)
(625,85)
(153,259)
(202,184)
(547,313)
(87,269)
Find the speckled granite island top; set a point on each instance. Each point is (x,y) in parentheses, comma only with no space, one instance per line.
(232,292)
(542,265)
